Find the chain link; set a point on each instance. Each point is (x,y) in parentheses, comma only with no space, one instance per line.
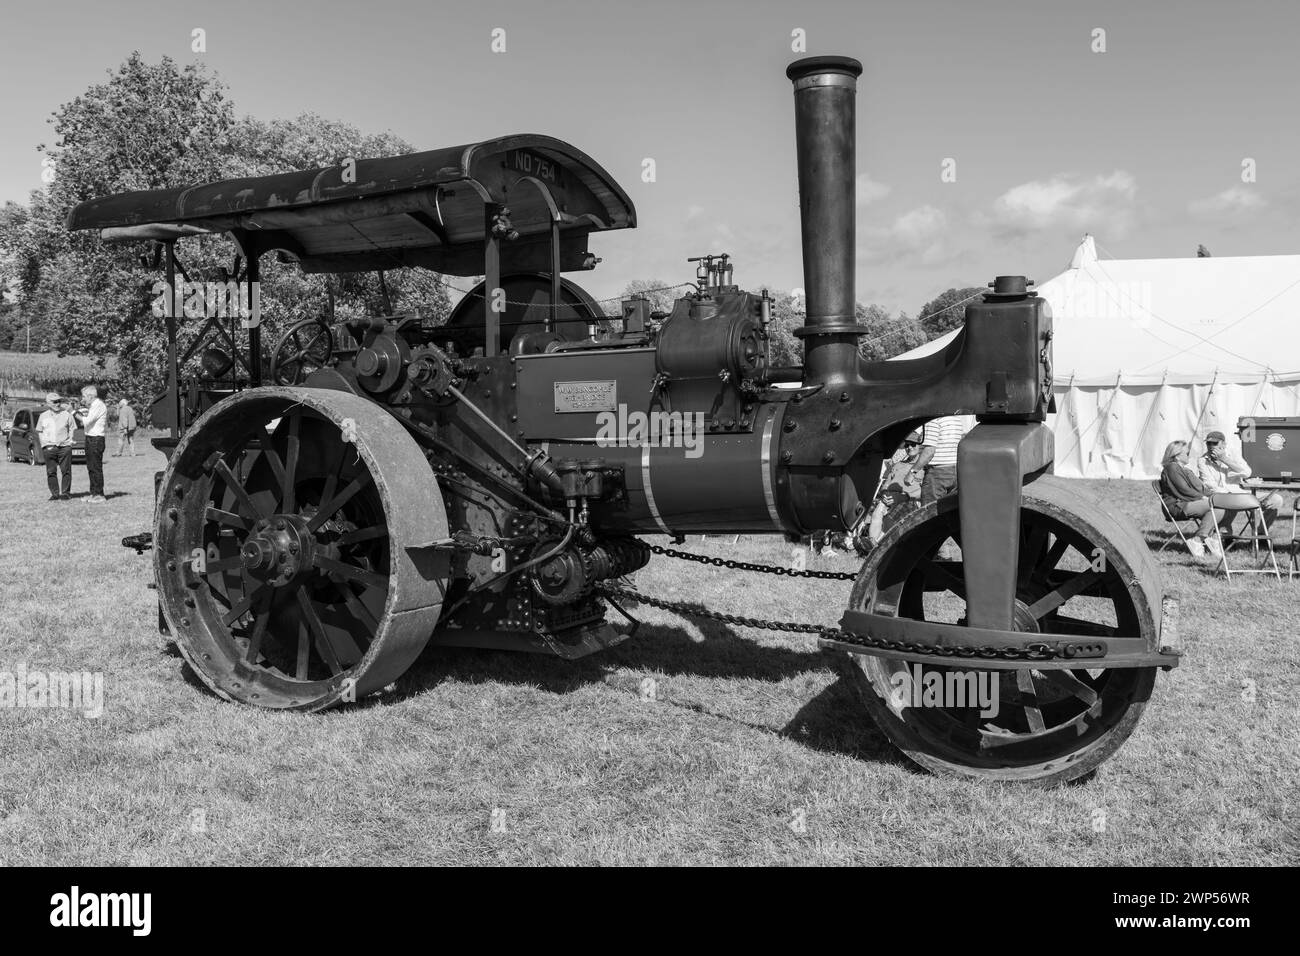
(746,566)
(1035,651)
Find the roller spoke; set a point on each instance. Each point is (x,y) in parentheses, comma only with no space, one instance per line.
(351,572)
(1033,715)
(273,459)
(1061,624)
(940,572)
(1072,685)
(1063,592)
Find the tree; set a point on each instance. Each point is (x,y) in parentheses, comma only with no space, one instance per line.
(947,311)
(888,335)
(154,126)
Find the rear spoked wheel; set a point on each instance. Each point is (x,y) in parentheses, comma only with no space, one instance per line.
(1080,573)
(287,548)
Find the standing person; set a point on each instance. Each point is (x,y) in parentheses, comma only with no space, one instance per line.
(95,422)
(126,425)
(1221,471)
(936,465)
(55,429)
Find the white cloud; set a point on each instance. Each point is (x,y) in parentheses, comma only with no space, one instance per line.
(694,212)
(869,190)
(1102,204)
(1234,200)
(921,235)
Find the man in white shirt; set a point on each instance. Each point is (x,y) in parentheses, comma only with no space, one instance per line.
(936,465)
(55,431)
(1222,472)
(95,421)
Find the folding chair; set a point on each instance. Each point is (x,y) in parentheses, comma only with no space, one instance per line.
(1169,517)
(1260,535)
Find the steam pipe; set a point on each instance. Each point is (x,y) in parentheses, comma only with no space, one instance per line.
(825,90)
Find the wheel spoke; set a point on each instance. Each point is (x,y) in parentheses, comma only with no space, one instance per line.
(1062,624)
(288,504)
(1031,550)
(329,508)
(239,609)
(259,629)
(351,572)
(361,612)
(943,574)
(1025,683)
(362,534)
(1063,592)
(226,518)
(323,645)
(223,564)
(1053,557)
(1066,681)
(233,483)
(273,459)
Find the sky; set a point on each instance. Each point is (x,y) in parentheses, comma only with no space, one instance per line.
(1141,143)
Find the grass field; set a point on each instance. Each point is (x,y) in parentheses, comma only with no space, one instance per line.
(755,751)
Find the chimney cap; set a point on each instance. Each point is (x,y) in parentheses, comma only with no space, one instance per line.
(844,65)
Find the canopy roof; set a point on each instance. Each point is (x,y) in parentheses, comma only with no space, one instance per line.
(424,209)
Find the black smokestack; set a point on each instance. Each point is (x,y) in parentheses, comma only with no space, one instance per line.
(825,90)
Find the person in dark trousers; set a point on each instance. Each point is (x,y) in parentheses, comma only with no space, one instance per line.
(55,430)
(936,465)
(1186,497)
(95,421)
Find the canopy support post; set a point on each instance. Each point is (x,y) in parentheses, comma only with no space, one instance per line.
(254,320)
(552,314)
(173,365)
(491,278)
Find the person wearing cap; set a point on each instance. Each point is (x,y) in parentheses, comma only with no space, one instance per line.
(126,425)
(95,421)
(56,429)
(1222,472)
(903,482)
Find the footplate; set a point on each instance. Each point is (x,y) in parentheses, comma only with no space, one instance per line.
(989,649)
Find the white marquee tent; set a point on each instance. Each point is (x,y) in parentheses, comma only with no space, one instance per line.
(1151,350)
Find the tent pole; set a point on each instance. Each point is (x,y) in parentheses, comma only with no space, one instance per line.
(1155,402)
(1101,416)
(1205,404)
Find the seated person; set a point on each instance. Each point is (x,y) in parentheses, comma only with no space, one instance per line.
(902,481)
(1221,471)
(1186,497)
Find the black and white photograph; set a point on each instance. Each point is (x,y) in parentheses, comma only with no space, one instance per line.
(650,434)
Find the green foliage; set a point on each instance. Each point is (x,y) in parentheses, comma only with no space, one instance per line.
(947,311)
(154,126)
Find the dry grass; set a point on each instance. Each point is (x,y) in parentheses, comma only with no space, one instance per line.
(749,730)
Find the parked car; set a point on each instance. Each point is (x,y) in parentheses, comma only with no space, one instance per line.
(22,444)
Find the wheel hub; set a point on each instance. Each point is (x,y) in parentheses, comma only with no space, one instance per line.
(278,549)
